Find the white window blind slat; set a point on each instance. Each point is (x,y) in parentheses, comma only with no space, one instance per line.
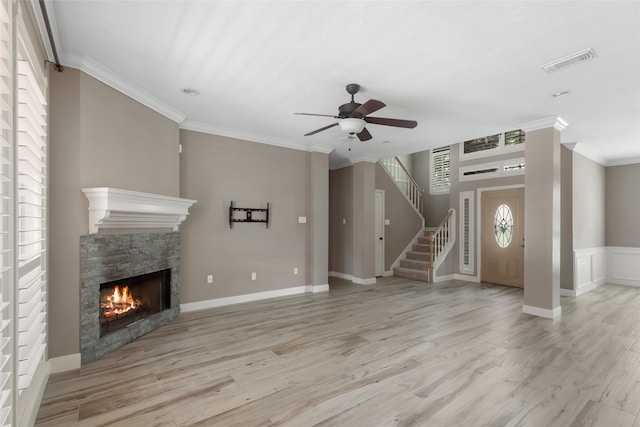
(36,114)
(30,308)
(31,221)
(28,367)
(6,213)
(33,337)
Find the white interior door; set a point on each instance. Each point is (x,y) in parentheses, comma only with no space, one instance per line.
(379,219)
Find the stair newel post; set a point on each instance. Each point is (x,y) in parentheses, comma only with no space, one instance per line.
(430,267)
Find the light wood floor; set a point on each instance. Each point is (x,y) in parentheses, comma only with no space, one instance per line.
(398,353)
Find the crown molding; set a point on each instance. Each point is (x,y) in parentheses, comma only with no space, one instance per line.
(548,122)
(112,79)
(248,136)
(569,145)
(320,149)
(622,162)
(589,154)
(364,159)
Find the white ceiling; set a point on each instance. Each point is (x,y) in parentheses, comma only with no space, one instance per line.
(462,70)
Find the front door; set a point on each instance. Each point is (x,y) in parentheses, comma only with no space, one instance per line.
(502,237)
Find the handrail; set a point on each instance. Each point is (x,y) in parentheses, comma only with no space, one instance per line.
(413,181)
(405,182)
(440,243)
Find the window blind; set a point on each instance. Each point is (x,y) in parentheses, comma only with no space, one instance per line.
(466,232)
(32,213)
(440,165)
(6,213)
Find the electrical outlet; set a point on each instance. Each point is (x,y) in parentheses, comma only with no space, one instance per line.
(295,270)
(210,278)
(253,276)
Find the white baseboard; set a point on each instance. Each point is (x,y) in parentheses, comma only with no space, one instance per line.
(465,277)
(445,278)
(340,275)
(387,273)
(358,280)
(237,299)
(567,292)
(317,288)
(64,363)
(542,312)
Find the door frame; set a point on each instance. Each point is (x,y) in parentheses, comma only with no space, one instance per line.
(382,227)
(479,223)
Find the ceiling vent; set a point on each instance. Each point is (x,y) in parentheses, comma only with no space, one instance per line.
(567,61)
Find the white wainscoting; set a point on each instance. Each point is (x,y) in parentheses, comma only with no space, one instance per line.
(596,266)
(624,266)
(589,269)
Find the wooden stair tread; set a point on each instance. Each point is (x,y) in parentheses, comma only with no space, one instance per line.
(410,273)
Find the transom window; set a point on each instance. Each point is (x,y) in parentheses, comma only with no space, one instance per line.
(493,145)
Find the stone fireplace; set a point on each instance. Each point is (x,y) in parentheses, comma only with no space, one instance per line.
(148,265)
(129,283)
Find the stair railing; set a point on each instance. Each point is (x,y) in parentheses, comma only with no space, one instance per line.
(405,182)
(441,242)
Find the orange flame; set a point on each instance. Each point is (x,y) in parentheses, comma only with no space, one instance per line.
(119,302)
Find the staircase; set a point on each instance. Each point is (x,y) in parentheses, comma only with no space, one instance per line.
(415,265)
(428,251)
(431,246)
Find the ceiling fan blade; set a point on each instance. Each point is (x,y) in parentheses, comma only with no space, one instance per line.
(371,106)
(392,122)
(321,129)
(364,135)
(319,115)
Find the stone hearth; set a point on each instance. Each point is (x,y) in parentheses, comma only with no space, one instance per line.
(107,258)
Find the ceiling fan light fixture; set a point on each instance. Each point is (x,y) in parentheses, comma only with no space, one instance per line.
(352,125)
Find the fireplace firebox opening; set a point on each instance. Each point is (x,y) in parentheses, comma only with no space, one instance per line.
(125,301)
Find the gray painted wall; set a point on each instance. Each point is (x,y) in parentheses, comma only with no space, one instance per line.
(99,138)
(566,218)
(364,185)
(404,220)
(216,170)
(435,207)
(542,219)
(341,220)
(589,179)
(623,206)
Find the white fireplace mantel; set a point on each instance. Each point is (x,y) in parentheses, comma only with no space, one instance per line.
(116,208)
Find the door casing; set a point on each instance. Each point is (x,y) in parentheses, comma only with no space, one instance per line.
(479,221)
(379,233)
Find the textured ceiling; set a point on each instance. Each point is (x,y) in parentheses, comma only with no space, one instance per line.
(460,69)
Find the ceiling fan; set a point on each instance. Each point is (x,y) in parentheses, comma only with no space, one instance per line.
(353,117)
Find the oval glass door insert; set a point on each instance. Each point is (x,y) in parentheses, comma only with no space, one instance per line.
(503,225)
